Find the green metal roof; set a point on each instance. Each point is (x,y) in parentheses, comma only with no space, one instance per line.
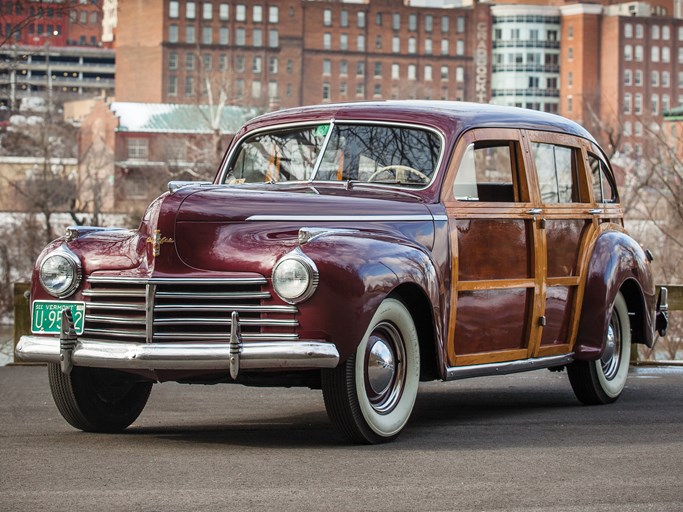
(178,118)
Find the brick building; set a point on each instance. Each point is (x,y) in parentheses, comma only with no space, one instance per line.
(266,56)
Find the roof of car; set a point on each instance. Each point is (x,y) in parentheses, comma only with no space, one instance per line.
(450,116)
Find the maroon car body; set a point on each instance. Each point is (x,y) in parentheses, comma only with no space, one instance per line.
(438,245)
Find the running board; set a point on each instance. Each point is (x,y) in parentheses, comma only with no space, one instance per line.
(503,368)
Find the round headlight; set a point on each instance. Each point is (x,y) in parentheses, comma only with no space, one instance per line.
(295,277)
(60,273)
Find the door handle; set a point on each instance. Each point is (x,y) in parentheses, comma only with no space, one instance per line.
(596,211)
(535,211)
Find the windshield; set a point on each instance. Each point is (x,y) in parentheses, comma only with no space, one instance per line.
(395,155)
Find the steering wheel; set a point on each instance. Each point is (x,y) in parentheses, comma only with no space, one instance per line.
(400,171)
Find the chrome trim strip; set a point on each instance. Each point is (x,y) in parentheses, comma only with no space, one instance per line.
(116,333)
(182,356)
(441,218)
(179,280)
(199,336)
(179,308)
(150,290)
(341,218)
(115,305)
(272,322)
(214,295)
(113,292)
(139,320)
(506,367)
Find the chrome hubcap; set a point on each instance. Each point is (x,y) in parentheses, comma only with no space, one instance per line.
(384,368)
(611,356)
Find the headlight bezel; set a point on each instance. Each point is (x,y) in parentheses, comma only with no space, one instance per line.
(311,270)
(76,267)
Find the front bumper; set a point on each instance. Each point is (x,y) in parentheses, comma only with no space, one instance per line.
(300,354)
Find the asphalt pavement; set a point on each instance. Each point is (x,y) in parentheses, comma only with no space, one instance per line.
(509,443)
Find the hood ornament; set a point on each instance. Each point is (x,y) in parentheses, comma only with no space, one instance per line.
(157,240)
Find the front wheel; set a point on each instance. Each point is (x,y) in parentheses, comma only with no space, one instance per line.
(602,381)
(98,400)
(371,396)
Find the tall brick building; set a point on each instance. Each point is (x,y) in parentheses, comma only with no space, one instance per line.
(280,53)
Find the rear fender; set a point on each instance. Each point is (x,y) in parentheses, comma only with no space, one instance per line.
(617,263)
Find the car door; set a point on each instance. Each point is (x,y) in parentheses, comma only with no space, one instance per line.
(567,220)
(496,264)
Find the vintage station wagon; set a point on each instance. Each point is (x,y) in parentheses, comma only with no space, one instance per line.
(359,249)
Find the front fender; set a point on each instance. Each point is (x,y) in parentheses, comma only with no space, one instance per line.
(617,263)
(357,272)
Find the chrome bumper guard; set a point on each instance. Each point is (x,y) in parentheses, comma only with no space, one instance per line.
(662,311)
(232,356)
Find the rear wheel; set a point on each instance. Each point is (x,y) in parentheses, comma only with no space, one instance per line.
(370,398)
(602,381)
(98,400)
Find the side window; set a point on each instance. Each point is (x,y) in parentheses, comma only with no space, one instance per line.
(557,171)
(487,173)
(604,190)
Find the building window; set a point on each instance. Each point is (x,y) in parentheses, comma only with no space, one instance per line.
(551,83)
(628,77)
(666,54)
(224,36)
(190,34)
(343,42)
(207,11)
(666,103)
(396,44)
(257,64)
(240,37)
(273,14)
(138,149)
(257,37)
(412,45)
(189,62)
(628,31)
(666,80)
(273,65)
(570,53)
(189,86)
(326,92)
(273,38)
(627,128)
(327,67)
(459,74)
(343,67)
(378,19)
(207,62)
(224,12)
(627,103)
(173,60)
(444,47)
(570,32)
(360,90)
(378,69)
(638,78)
(241,12)
(239,88)
(223,62)
(360,43)
(445,22)
(344,18)
(666,33)
(239,63)
(396,21)
(272,89)
(360,68)
(638,104)
(639,128)
(429,23)
(534,81)
(628,52)
(172,85)
(570,104)
(570,79)
(360,21)
(460,24)
(395,71)
(190,10)
(639,53)
(173,34)
(655,31)
(257,14)
(290,66)
(444,72)
(173,9)
(327,41)
(378,42)
(460,47)
(639,31)
(654,79)
(428,46)
(327,18)
(412,22)
(412,72)
(378,91)
(342,88)
(207,35)
(654,103)
(428,73)
(654,54)
(256,89)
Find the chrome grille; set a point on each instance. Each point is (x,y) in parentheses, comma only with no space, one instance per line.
(183,310)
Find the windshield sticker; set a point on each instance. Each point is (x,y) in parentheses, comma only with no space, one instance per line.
(321,130)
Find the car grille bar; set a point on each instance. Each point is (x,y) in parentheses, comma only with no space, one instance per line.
(188,310)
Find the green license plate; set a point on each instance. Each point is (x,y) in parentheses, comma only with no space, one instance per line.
(46,316)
